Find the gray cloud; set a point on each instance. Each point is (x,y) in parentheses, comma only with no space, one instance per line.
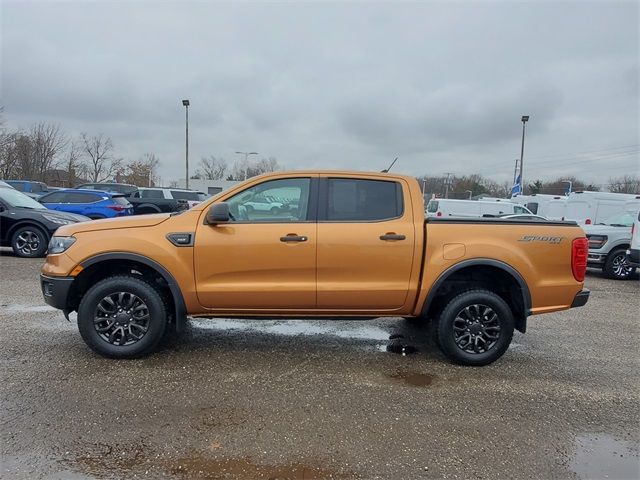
(346,85)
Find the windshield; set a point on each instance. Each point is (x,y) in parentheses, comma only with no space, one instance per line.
(18,199)
(624,219)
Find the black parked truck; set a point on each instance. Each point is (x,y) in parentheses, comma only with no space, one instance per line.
(141,206)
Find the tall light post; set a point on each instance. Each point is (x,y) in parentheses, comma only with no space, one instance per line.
(186,142)
(525,119)
(246,161)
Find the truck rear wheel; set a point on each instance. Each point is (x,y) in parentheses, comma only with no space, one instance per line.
(475,328)
(122,317)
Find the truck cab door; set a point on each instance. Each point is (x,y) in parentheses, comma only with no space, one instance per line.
(261,259)
(366,244)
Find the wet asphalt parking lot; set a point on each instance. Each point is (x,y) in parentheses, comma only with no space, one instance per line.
(319,399)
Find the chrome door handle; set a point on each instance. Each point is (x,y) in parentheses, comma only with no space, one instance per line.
(293,238)
(392,236)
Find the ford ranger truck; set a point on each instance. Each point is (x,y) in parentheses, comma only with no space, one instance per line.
(345,244)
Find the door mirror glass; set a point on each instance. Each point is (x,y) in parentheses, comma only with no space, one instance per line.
(218,213)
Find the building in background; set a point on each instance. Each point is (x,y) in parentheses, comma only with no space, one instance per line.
(210,187)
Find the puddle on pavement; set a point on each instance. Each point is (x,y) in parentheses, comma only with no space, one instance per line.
(414,379)
(603,456)
(200,467)
(292,328)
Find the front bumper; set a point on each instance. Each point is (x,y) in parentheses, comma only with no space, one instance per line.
(581,298)
(596,258)
(55,290)
(633,257)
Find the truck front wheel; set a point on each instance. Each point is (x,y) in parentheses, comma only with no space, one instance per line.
(617,267)
(475,328)
(122,317)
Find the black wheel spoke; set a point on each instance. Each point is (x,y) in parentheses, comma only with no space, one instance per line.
(121,318)
(476,328)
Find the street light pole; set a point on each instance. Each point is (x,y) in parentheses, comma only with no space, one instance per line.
(246,161)
(525,119)
(186,142)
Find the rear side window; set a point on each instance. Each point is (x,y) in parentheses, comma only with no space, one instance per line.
(183,195)
(121,200)
(151,194)
(533,207)
(363,200)
(432,206)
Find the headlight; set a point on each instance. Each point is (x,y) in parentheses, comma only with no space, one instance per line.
(57,220)
(60,244)
(596,241)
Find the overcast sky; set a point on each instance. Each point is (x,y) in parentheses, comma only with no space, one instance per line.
(337,85)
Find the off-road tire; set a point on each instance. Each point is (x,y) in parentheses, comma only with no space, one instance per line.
(29,242)
(616,266)
(145,291)
(444,331)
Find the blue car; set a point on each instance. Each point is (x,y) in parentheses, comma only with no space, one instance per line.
(29,188)
(94,204)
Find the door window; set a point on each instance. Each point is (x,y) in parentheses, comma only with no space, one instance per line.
(363,200)
(276,201)
(55,197)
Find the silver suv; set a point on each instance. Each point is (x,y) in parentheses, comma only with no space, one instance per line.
(608,243)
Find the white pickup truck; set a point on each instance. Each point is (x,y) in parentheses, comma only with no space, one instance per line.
(608,243)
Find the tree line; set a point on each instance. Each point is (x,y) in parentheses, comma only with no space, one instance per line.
(43,152)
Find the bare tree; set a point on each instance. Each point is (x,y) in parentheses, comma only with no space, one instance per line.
(625,184)
(98,151)
(47,142)
(212,168)
(142,172)
(242,170)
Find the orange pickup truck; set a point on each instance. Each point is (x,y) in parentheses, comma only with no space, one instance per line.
(314,245)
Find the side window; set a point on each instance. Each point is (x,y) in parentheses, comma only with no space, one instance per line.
(363,200)
(17,185)
(285,200)
(36,188)
(55,197)
(184,195)
(533,207)
(151,194)
(78,197)
(518,209)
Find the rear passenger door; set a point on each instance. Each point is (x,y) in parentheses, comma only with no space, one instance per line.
(366,243)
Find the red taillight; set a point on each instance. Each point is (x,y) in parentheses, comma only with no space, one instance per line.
(579,251)
(587,221)
(439,214)
(117,208)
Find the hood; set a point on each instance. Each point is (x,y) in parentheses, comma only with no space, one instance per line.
(602,229)
(135,221)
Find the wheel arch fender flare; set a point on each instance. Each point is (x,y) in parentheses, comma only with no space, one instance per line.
(487,262)
(174,288)
(150,206)
(27,223)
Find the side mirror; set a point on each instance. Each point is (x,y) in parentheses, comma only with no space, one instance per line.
(218,213)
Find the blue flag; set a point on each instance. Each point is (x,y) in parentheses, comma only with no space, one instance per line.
(517,187)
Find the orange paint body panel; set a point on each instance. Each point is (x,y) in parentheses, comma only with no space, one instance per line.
(385,267)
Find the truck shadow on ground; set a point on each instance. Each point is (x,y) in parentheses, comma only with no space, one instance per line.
(391,336)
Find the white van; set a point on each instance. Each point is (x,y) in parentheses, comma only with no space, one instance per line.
(553,207)
(588,208)
(445,207)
